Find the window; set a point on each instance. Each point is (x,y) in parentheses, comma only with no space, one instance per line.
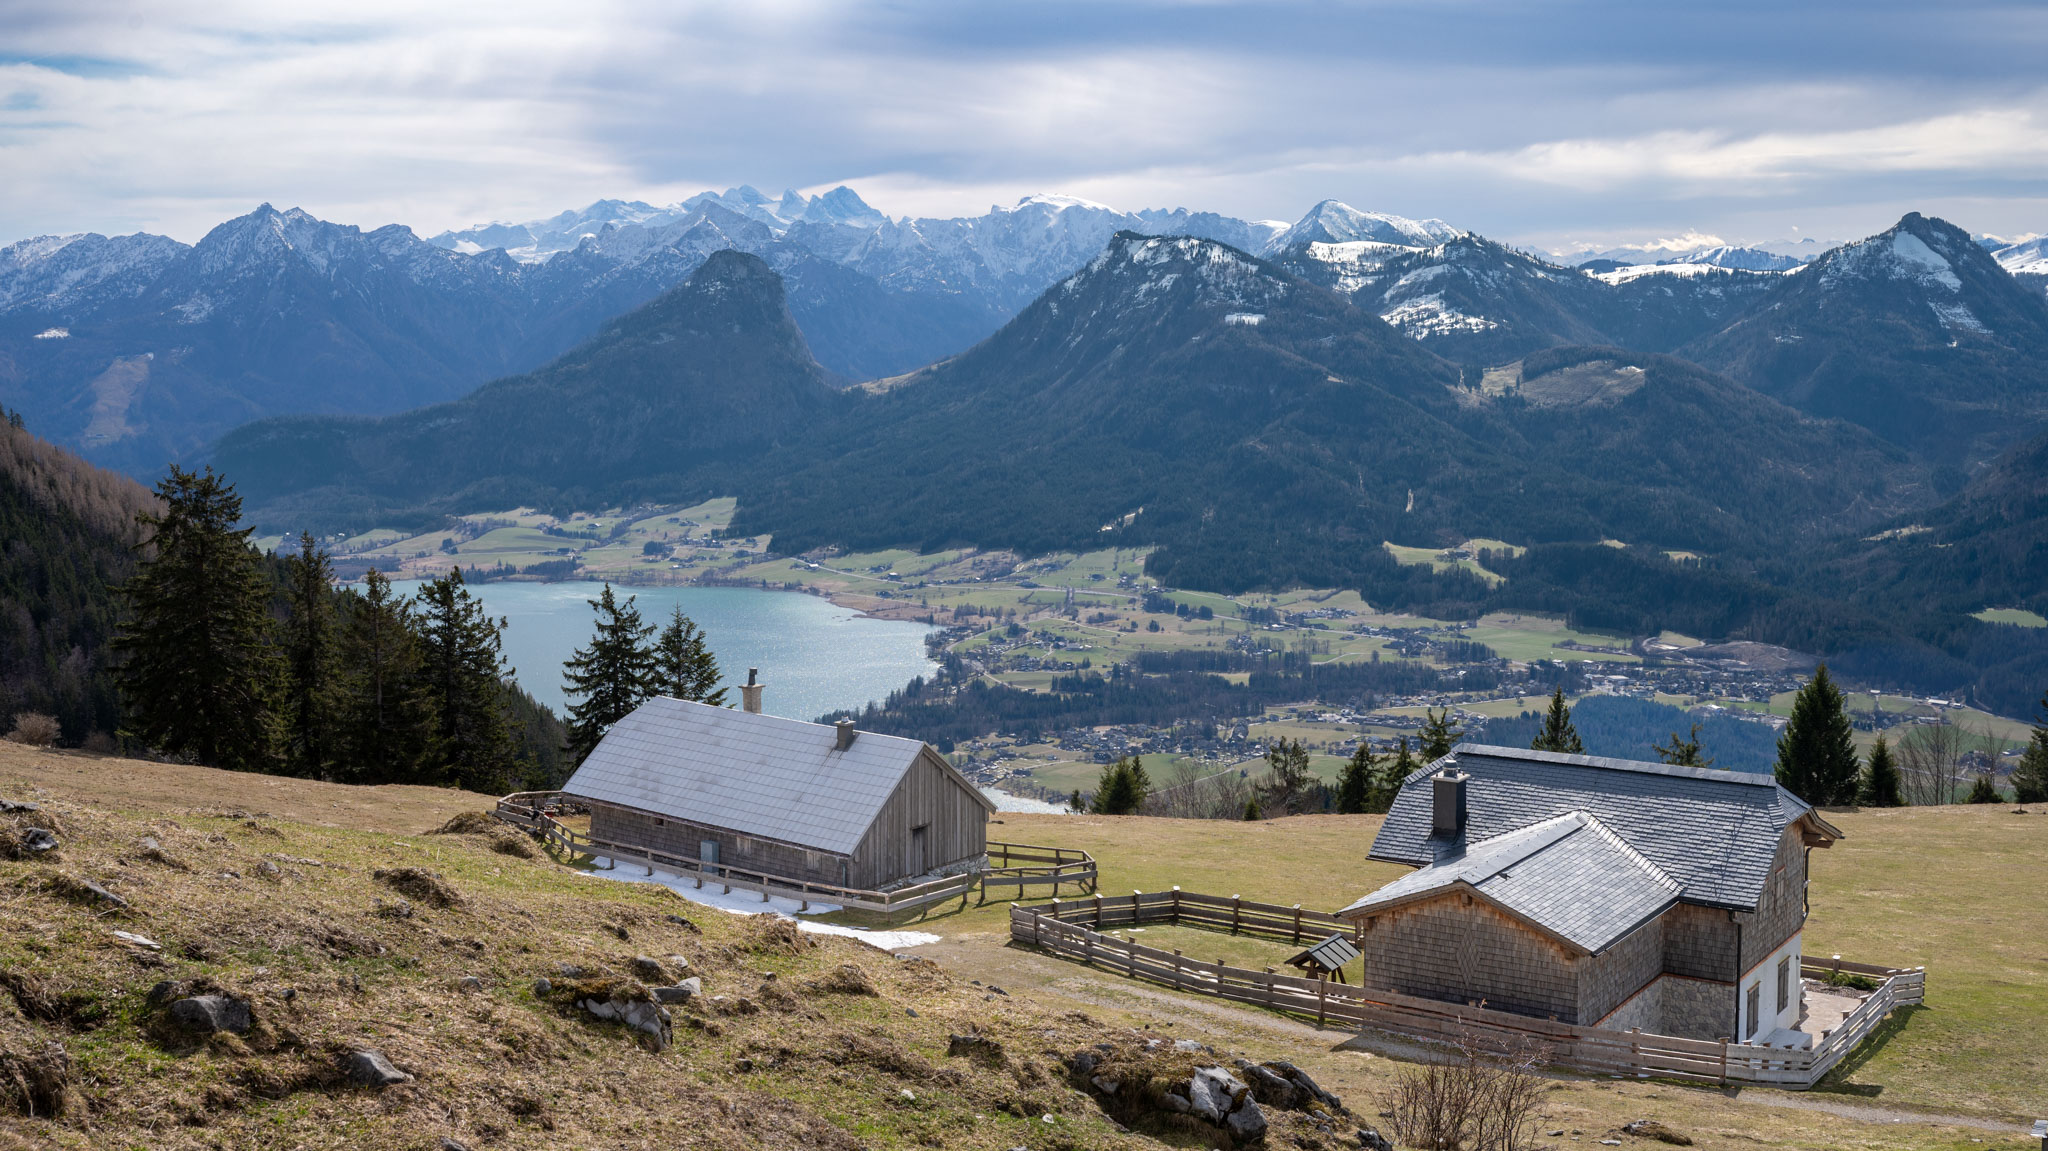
(1784,984)
(1756,995)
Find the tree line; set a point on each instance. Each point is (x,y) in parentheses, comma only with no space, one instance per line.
(234,659)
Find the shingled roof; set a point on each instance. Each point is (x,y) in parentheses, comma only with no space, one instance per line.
(1713,832)
(760,775)
(1570,876)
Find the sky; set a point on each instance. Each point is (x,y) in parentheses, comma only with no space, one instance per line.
(1553,125)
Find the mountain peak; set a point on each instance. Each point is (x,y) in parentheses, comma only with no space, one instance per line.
(1335,222)
(841,205)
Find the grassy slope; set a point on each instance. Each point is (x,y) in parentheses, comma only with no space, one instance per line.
(1949,888)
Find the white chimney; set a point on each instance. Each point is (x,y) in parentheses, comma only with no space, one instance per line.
(750,692)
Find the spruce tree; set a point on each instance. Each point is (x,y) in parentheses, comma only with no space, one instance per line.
(1879,786)
(1388,785)
(463,685)
(198,673)
(684,667)
(611,677)
(1817,750)
(1984,791)
(383,728)
(1122,788)
(1287,765)
(2030,778)
(1355,787)
(1252,814)
(1438,735)
(1683,751)
(309,657)
(1557,732)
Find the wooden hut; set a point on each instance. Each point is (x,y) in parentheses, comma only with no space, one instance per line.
(804,801)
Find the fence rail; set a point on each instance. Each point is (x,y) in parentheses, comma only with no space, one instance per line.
(1033,863)
(1072,930)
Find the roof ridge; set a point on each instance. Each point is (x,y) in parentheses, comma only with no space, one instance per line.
(1594,824)
(1610,763)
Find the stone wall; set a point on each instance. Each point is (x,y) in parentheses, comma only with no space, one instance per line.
(1696,1008)
(1461,949)
(1643,1011)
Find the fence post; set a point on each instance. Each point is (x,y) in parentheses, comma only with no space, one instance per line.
(1724,1061)
(1136,896)
(1297,924)
(1130,959)
(1087,948)
(1098,911)
(1236,903)
(1269,987)
(1176,905)
(1322,1002)
(1176,969)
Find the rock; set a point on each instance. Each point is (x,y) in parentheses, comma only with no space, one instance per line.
(972,1043)
(682,992)
(1270,1088)
(910,1011)
(1247,1124)
(211,1013)
(35,840)
(1370,1139)
(648,970)
(685,924)
(1191,1046)
(12,807)
(1214,1092)
(570,971)
(1104,1085)
(1176,1103)
(1084,1062)
(472,983)
(268,870)
(644,1016)
(1651,1129)
(542,987)
(447,1144)
(369,1068)
(679,962)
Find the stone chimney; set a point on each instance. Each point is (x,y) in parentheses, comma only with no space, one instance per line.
(846,731)
(1447,816)
(750,692)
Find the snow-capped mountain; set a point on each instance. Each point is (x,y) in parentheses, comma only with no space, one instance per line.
(2028,257)
(1333,222)
(58,271)
(1916,333)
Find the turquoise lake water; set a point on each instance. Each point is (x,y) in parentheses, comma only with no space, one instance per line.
(814,655)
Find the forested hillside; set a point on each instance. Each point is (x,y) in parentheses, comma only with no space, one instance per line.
(68,529)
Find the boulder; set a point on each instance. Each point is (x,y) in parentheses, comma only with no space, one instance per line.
(211,1013)
(1278,1083)
(541,987)
(369,1068)
(1370,1139)
(35,840)
(1651,1129)
(682,992)
(1247,1124)
(642,1015)
(648,970)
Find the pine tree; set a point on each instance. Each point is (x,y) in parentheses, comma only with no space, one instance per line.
(1817,751)
(684,667)
(1122,788)
(1287,775)
(1557,733)
(198,672)
(1252,814)
(1388,785)
(1683,752)
(382,721)
(1438,735)
(1879,786)
(2030,778)
(1075,802)
(463,684)
(611,677)
(1356,786)
(309,655)
(1984,791)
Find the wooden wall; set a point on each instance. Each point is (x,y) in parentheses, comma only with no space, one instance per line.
(1781,910)
(682,837)
(930,796)
(1461,949)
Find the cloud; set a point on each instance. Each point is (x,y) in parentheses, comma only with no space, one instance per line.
(1515,119)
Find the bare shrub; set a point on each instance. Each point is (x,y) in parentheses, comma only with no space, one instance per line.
(1930,756)
(35,729)
(1475,1100)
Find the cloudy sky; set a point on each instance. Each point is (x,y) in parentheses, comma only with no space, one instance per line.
(1551,124)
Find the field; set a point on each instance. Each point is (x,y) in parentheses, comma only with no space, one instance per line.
(802,1064)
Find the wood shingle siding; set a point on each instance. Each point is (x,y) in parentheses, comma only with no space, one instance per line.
(955,820)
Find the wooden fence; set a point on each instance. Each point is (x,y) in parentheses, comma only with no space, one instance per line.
(1024,863)
(1069,930)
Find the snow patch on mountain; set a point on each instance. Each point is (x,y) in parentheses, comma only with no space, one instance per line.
(1335,222)
(1421,317)
(2027,257)
(1638,271)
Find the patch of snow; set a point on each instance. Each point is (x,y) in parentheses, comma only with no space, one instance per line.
(1913,250)
(749,903)
(1956,316)
(1245,319)
(1426,316)
(2026,256)
(1638,271)
(1004,801)
(194,310)
(54,334)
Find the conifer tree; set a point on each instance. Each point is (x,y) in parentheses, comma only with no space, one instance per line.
(611,677)
(1122,788)
(684,667)
(198,673)
(1557,732)
(2030,778)
(1287,766)
(1683,751)
(1252,814)
(1984,791)
(1817,750)
(310,690)
(1879,786)
(1388,785)
(463,685)
(1355,787)
(383,728)
(1438,735)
